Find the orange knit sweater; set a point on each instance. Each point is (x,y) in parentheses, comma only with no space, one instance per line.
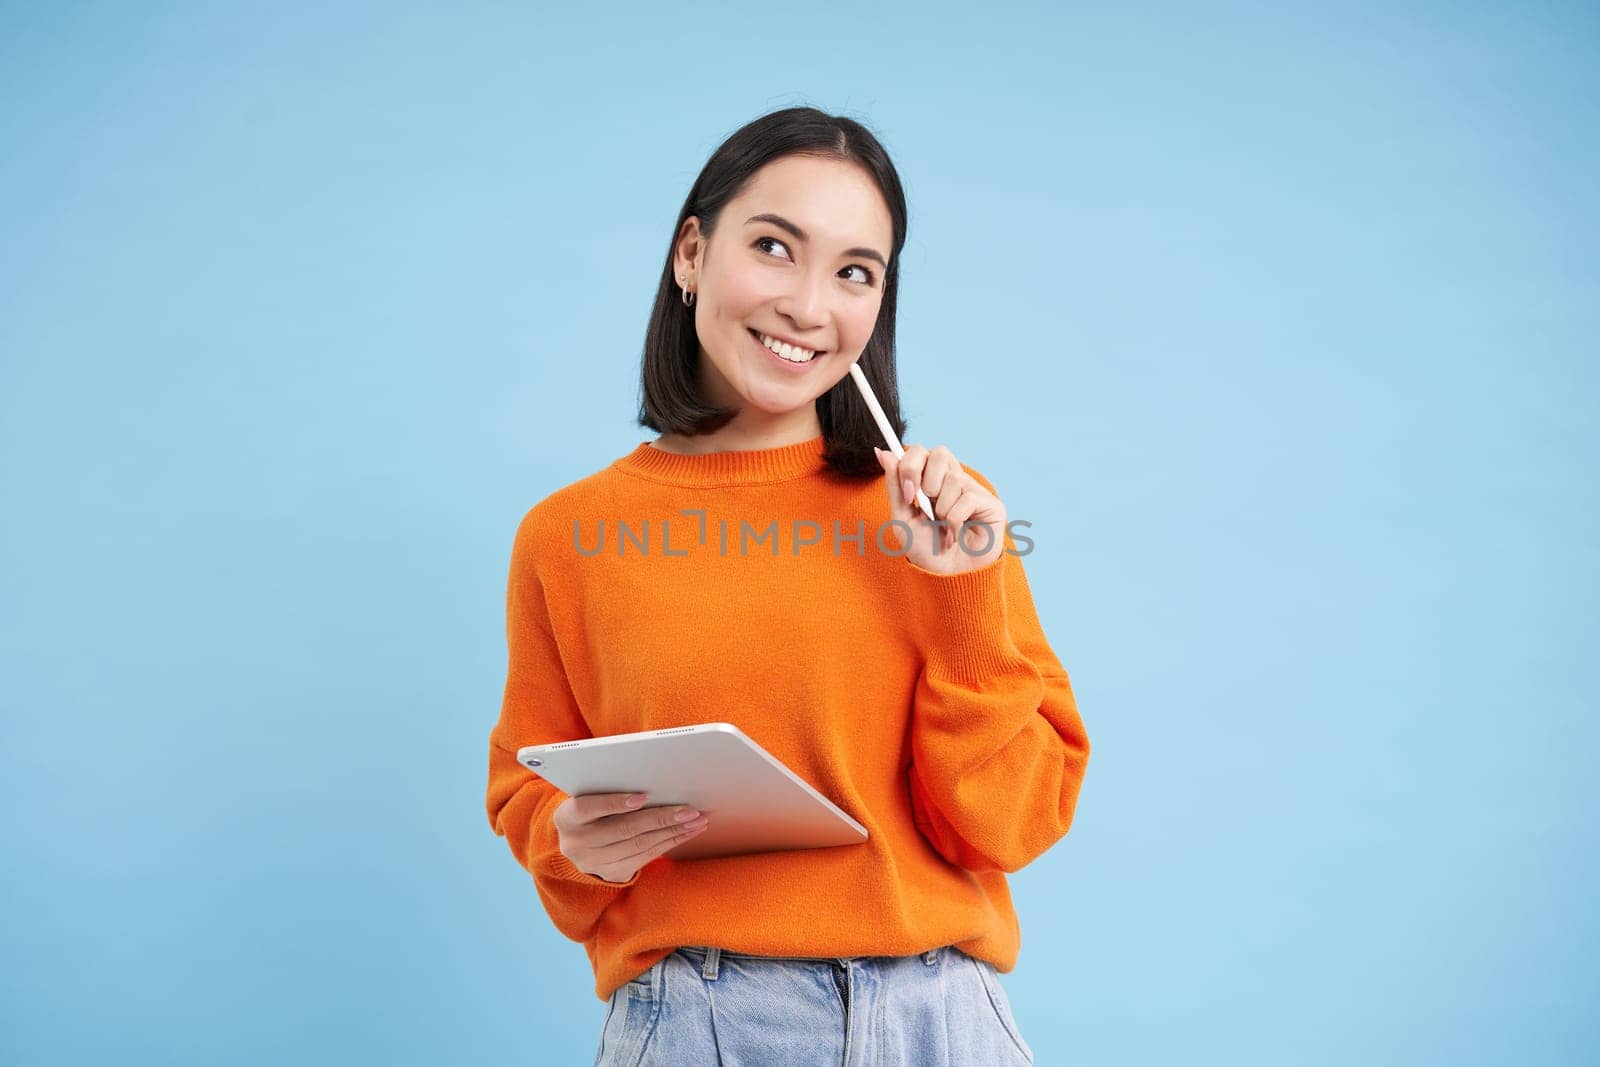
(750,587)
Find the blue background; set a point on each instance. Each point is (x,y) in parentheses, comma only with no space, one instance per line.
(1272,320)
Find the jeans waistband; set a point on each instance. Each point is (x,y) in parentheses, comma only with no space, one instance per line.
(709,955)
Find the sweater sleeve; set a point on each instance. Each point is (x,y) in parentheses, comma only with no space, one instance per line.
(998,749)
(539,708)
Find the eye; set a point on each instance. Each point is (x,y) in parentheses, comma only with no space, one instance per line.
(773,240)
(863,270)
(761,241)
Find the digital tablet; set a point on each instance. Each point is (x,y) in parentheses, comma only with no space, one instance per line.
(754,802)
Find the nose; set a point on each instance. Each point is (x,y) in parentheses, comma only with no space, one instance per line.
(806,303)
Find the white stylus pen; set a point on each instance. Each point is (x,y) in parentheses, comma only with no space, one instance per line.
(887,430)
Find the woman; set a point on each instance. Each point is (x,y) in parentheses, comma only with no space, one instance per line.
(898,669)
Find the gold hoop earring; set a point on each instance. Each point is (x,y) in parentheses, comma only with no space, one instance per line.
(688,297)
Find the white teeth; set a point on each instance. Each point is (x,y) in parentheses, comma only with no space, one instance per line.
(788,351)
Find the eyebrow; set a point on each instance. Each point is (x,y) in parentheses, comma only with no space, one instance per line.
(784,224)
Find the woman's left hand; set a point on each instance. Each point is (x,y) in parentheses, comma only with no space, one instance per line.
(957,498)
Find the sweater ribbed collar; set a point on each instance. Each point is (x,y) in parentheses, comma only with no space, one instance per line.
(738,467)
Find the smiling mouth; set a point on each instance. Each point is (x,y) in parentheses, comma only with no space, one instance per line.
(816,354)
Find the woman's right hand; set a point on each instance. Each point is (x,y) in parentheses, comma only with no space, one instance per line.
(604,837)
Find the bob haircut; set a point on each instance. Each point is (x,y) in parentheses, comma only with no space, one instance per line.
(669,401)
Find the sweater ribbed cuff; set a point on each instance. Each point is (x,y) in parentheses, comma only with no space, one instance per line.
(561,867)
(965,628)
(545,847)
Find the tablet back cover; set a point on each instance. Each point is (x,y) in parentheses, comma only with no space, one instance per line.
(754,802)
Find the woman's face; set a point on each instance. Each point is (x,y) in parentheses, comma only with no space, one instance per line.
(798,256)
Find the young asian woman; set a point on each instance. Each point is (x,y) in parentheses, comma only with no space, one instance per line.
(898,665)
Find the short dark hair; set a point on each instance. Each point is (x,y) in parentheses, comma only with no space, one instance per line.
(669,401)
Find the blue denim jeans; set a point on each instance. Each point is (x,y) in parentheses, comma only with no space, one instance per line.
(702,1006)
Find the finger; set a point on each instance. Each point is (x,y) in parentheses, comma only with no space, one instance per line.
(619,868)
(951,531)
(659,841)
(910,470)
(898,506)
(962,510)
(946,494)
(618,839)
(944,480)
(591,807)
(941,466)
(959,514)
(649,843)
(634,823)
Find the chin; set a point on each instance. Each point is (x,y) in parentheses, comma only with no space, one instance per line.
(777,409)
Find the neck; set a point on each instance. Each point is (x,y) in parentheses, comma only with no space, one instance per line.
(746,431)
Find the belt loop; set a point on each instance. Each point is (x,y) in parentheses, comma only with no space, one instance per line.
(931,957)
(713,958)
